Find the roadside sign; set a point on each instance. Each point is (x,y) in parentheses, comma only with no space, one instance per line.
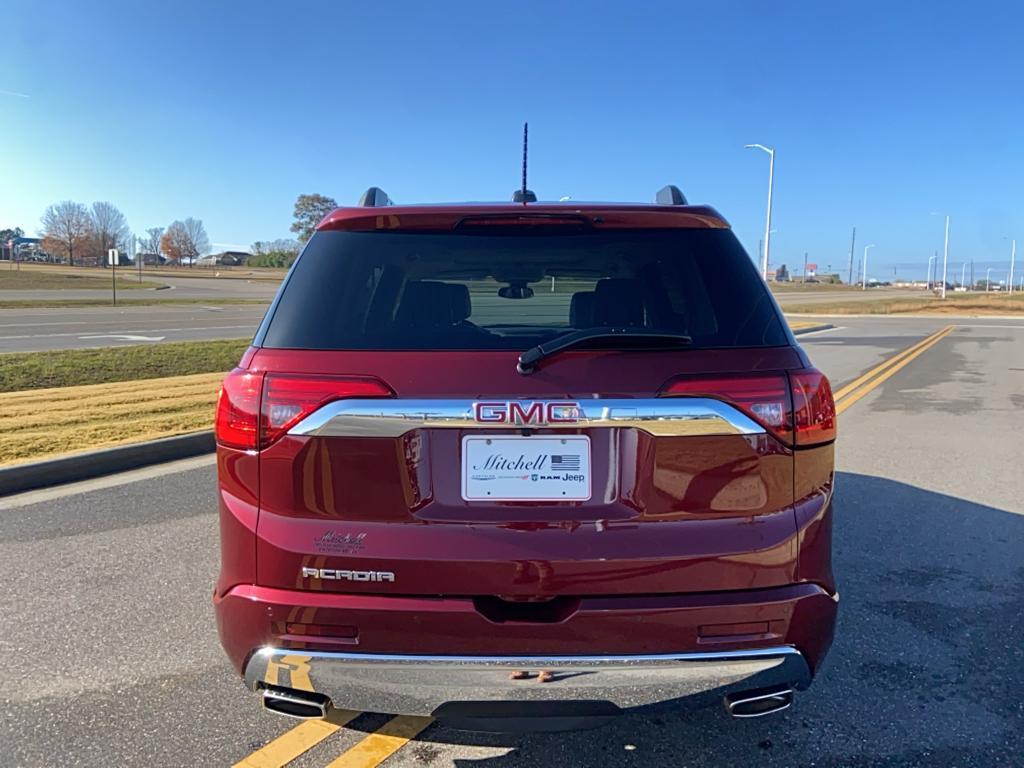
(112,256)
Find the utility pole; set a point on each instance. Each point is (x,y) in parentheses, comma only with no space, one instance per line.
(805,266)
(853,242)
(1013,256)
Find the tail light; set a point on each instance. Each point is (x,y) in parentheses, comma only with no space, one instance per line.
(814,410)
(256,409)
(238,409)
(797,409)
(765,399)
(289,398)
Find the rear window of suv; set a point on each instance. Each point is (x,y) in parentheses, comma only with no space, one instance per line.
(442,291)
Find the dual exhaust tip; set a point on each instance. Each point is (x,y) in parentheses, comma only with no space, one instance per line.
(293,703)
(758,702)
(306,706)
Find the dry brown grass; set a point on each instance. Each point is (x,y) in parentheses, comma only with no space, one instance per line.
(38,423)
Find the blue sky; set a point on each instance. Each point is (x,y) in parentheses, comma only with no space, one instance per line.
(880,113)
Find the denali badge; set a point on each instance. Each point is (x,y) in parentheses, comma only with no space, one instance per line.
(335,575)
(533,413)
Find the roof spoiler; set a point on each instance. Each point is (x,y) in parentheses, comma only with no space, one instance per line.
(374,197)
(670,194)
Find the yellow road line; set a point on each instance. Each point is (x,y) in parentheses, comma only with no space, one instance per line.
(382,743)
(841,393)
(902,360)
(298,740)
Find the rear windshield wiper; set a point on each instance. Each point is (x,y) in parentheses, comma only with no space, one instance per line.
(659,339)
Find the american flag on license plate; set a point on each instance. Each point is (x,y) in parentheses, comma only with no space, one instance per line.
(565,463)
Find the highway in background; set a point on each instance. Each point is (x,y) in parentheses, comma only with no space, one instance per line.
(110,655)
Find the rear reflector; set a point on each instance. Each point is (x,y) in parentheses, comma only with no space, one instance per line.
(289,398)
(255,409)
(798,409)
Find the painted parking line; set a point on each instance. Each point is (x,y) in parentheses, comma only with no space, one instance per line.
(297,741)
(382,743)
(862,385)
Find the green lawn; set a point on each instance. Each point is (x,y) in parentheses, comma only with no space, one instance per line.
(74,367)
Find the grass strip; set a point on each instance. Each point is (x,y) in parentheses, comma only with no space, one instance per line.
(40,423)
(955,304)
(30,280)
(72,367)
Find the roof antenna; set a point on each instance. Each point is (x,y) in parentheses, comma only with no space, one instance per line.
(524,195)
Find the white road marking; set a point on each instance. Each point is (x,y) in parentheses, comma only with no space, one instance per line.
(125,337)
(108,481)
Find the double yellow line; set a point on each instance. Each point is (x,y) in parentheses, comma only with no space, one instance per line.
(376,747)
(370,751)
(860,386)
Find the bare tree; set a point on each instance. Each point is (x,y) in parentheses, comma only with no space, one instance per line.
(197,236)
(66,227)
(109,228)
(151,242)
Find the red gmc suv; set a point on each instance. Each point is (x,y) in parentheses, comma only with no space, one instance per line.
(496,462)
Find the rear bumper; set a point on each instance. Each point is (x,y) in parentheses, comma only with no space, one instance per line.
(407,654)
(420,685)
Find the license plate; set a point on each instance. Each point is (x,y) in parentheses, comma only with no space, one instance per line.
(517,468)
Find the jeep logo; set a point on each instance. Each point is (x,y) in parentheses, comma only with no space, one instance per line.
(336,575)
(532,413)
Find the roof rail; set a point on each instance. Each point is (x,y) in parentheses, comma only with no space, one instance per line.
(523,196)
(374,197)
(670,195)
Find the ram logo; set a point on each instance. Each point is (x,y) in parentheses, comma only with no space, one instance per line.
(531,413)
(332,574)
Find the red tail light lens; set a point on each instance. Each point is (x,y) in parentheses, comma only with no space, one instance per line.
(289,398)
(814,409)
(238,408)
(765,399)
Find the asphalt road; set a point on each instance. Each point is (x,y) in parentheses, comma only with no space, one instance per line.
(40,329)
(109,654)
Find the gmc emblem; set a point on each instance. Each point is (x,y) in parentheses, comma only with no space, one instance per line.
(531,413)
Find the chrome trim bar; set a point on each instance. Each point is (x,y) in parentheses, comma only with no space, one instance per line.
(411,684)
(660,416)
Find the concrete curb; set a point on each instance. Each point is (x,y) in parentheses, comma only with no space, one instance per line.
(107,461)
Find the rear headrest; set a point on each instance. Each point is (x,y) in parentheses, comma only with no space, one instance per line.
(618,302)
(425,303)
(581,309)
(461,306)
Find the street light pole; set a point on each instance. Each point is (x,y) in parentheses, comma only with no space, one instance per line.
(864,270)
(945,257)
(930,260)
(988,281)
(963,275)
(1013,256)
(768,218)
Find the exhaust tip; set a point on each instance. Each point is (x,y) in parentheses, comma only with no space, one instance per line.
(298,704)
(758,702)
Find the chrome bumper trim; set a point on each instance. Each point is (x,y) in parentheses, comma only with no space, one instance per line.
(662,416)
(418,685)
